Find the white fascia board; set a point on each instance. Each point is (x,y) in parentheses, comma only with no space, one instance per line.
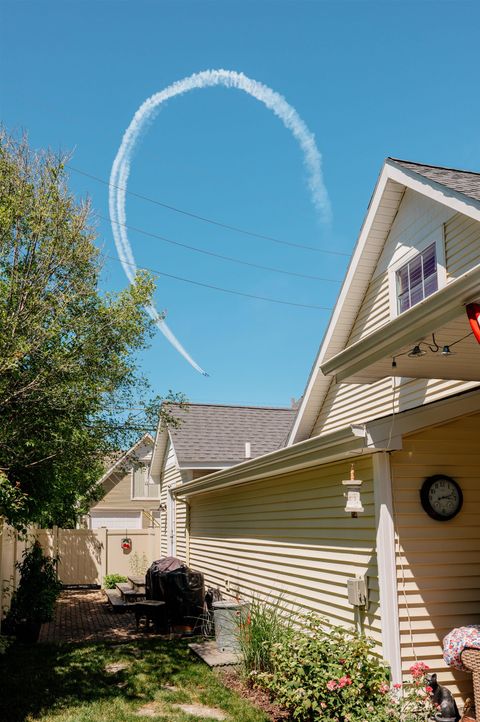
(343,300)
(437,192)
(192,465)
(126,456)
(436,413)
(411,326)
(316,451)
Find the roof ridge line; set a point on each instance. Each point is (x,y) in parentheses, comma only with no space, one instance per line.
(429,165)
(233,406)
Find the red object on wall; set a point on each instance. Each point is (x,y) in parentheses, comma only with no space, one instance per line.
(473,313)
(126,544)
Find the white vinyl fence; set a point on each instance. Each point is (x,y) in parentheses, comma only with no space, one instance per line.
(85,556)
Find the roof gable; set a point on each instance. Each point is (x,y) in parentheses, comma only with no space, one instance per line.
(439,184)
(146,439)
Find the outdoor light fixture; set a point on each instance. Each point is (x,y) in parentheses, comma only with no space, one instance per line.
(416,352)
(352,494)
(446,351)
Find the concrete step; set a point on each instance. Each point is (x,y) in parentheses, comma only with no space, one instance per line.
(137,583)
(129,594)
(116,600)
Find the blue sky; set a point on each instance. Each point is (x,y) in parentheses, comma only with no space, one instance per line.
(369,79)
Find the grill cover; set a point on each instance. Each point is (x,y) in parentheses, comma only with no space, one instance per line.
(170,580)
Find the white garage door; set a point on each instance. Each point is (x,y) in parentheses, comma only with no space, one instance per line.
(116,519)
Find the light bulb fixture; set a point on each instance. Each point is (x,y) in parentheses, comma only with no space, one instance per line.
(352,494)
(394,363)
(446,351)
(416,352)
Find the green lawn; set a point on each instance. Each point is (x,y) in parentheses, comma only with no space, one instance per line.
(80,683)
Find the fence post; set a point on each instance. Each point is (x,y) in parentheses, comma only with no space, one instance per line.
(102,535)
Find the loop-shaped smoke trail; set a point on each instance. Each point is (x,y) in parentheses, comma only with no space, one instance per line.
(146,112)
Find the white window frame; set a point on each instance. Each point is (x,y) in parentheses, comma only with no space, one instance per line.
(436,238)
(132,487)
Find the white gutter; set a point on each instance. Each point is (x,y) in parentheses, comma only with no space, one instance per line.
(411,326)
(312,452)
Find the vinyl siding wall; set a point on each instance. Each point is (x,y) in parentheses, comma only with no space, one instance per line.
(290,535)
(438,563)
(170,476)
(118,491)
(419,220)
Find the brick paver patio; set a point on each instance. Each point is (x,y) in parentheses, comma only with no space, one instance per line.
(86,616)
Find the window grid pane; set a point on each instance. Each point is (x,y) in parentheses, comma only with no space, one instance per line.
(417,279)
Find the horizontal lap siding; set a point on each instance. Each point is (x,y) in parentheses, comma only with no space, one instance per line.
(180,530)
(118,497)
(290,535)
(462,245)
(438,563)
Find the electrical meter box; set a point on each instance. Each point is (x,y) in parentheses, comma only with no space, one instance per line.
(357,592)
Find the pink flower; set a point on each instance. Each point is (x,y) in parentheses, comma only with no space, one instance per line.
(344,681)
(331,685)
(384,688)
(428,689)
(397,685)
(418,670)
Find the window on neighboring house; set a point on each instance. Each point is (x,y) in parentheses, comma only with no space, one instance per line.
(143,488)
(417,279)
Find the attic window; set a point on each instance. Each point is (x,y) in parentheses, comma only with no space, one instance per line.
(142,486)
(417,279)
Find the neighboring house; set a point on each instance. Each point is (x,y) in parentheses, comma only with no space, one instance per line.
(210,437)
(276,523)
(131,499)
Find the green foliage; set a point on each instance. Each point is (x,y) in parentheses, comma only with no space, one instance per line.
(5,642)
(34,600)
(267,623)
(334,675)
(68,372)
(110,580)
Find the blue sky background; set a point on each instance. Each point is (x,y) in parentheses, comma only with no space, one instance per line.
(370,79)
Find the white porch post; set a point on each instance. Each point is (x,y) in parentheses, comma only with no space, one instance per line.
(386,559)
(171,545)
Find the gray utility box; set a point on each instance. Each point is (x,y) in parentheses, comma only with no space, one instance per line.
(357,592)
(227,617)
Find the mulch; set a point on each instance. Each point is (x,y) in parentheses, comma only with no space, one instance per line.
(258,697)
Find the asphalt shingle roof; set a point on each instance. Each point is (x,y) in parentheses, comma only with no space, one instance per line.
(216,434)
(462,181)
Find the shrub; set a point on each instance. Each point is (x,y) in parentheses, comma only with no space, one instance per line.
(334,676)
(34,600)
(110,580)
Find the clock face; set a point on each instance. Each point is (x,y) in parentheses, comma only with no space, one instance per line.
(441,497)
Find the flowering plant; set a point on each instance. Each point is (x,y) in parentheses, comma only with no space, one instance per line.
(334,676)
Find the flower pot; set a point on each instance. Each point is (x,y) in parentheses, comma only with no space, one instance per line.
(27,631)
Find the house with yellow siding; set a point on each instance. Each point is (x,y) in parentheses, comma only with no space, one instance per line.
(395,390)
(131,500)
(208,438)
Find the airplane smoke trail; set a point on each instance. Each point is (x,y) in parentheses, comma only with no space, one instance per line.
(146,112)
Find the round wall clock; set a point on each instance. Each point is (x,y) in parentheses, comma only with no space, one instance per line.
(441,497)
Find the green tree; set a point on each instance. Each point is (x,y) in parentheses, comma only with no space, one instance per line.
(68,370)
